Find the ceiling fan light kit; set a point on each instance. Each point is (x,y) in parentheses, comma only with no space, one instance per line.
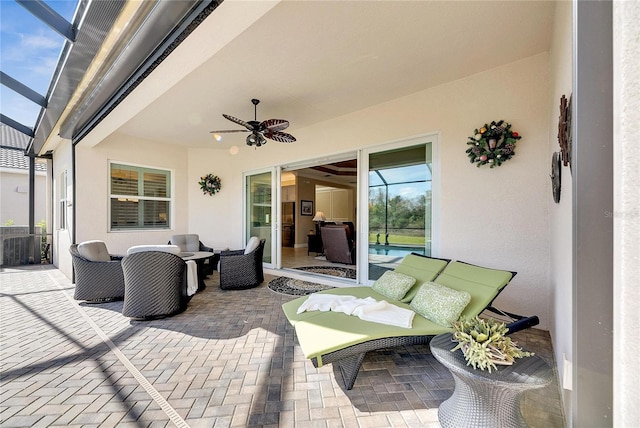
(270,128)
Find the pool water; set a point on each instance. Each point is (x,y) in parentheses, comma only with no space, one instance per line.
(394,250)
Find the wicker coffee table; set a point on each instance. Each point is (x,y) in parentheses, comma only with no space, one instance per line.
(483,399)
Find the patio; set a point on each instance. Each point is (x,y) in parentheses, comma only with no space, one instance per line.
(230,360)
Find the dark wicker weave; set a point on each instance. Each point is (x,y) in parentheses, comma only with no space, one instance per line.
(239,271)
(350,359)
(97,282)
(155,285)
(205,266)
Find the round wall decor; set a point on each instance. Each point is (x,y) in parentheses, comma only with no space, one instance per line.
(210,184)
(492,144)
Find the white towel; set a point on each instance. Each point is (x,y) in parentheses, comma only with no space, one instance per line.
(324,302)
(367,309)
(192,277)
(385,313)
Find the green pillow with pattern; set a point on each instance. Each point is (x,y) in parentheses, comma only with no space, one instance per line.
(440,304)
(393,285)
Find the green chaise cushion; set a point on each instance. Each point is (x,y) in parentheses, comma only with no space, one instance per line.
(422,268)
(320,333)
(483,284)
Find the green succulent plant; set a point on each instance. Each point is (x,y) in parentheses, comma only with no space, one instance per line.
(484,343)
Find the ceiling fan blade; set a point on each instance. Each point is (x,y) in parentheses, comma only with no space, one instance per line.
(238,121)
(282,137)
(274,125)
(228,130)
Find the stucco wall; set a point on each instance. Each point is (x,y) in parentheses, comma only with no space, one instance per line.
(62,238)
(495,217)
(14,196)
(626,215)
(93,189)
(560,215)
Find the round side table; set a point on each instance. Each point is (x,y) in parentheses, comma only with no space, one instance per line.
(483,399)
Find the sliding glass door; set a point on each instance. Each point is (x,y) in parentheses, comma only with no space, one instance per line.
(400,206)
(259,209)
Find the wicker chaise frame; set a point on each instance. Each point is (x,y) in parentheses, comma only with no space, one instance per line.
(97,282)
(350,359)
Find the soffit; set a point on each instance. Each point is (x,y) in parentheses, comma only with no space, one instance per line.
(312,61)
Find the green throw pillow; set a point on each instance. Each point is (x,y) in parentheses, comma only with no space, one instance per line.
(440,304)
(393,285)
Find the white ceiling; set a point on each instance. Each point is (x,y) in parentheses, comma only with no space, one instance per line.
(310,61)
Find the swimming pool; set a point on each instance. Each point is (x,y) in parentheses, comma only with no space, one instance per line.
(395,250)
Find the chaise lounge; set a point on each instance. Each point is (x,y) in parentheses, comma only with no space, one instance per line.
(334,337)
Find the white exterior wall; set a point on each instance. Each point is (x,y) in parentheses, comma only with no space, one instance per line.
(14,196)
(62,238)
(93,190)
(626,215)
(495,217)
(560,215)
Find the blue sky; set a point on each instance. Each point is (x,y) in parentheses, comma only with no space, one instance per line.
(397,178)
(29,52)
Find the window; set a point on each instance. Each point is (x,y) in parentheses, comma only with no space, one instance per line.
(140,198)
(62,204)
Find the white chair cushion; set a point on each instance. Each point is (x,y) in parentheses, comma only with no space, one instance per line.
(188,242)
(94,251)
(253,243)
(173,249)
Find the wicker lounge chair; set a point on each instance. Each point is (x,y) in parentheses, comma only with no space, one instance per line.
(98,274)
(191,243)
(333,337)
(242,269)
(155,285)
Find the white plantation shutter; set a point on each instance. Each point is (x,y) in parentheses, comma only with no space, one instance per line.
(140,197)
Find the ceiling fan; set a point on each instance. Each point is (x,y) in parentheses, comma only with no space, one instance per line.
(270,128)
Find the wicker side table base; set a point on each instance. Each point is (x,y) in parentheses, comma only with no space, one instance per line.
(483,399)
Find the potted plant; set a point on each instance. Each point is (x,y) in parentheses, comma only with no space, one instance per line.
(484,343)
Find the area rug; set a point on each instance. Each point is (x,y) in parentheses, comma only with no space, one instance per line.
(341,272)
(295,287)
(298,287)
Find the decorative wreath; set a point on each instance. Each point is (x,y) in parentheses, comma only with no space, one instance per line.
(210,184)
(492,144)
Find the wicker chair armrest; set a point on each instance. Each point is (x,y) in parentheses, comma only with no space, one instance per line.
(205,248)
(228,253)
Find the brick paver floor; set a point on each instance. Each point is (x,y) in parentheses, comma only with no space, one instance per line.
(231,359)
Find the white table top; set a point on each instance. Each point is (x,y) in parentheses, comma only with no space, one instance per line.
(195,255)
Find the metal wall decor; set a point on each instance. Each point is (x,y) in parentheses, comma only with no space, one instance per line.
(564,130)
(556,164)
